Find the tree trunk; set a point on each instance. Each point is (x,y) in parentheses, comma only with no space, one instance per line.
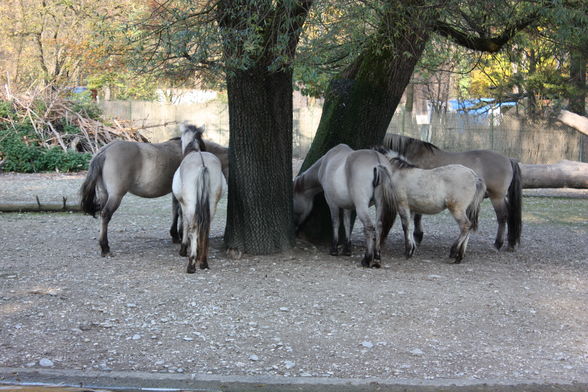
(359,104)
(259,212)
(578,78)
(564,174)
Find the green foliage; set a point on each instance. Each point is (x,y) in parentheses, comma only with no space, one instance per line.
(21,149)
(125,85)
(84,104)
(22,153)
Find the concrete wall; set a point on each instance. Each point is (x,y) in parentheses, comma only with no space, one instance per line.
(526,141)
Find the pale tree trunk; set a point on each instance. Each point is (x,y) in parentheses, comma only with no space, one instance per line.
(563,174)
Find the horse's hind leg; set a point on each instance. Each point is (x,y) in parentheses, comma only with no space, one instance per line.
(347,226)
(176,211)
(185,244)
(109,208)
(192,257)
(418,228)
(501,210)
(458,248)
(370,237)
(202,252)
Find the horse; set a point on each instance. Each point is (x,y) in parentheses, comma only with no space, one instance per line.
(420,191)
(143,169)
(197,186)
(501,175)
(351,180)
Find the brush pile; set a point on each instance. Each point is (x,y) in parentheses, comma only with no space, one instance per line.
(57,117)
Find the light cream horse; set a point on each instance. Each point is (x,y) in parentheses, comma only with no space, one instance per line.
(417,191)
(198,186)
(351,180)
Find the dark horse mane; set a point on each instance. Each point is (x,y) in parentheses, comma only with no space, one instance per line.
(192,146)
(404,144)
(399,162)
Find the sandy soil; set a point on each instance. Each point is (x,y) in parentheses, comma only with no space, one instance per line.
(497,316)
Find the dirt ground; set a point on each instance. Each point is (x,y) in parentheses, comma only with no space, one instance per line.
(501,316)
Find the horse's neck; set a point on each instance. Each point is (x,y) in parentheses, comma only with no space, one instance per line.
(310,176)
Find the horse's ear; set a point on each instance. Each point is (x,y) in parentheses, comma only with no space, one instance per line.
(201,129)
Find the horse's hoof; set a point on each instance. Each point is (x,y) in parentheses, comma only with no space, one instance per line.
(191,269)
(376,264)
(498,244)
(346,252)
(334,252)
(204,266)
(234,253)
(418,237)
(511,248)
(105,253)
(365,263)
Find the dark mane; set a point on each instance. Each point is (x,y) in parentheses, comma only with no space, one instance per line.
(401,163)
(404,145)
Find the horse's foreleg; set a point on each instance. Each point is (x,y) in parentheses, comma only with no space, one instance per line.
(418,228)
(176,211)
(458,248)
(109,209)
(409,244)
(347,227)
(335,227)
(501,210)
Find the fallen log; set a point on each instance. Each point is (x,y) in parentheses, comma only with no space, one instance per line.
(563,174)
(38,206)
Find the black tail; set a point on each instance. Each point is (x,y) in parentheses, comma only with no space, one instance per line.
(473,210)
(89,203)
(515,206)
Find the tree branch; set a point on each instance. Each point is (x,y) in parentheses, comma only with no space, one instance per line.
(482,44)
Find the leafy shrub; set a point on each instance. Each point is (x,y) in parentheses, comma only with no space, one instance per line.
(22,153)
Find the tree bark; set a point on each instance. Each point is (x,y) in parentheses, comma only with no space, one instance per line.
(564,174)
(578,59)
(259,212)
(361,101)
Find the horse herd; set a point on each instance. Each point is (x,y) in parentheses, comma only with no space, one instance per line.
(405,176)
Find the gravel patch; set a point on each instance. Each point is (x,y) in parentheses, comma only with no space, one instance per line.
(497,316)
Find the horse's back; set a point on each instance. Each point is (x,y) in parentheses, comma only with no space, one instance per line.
(430,191)
(494,168)
(143,169)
